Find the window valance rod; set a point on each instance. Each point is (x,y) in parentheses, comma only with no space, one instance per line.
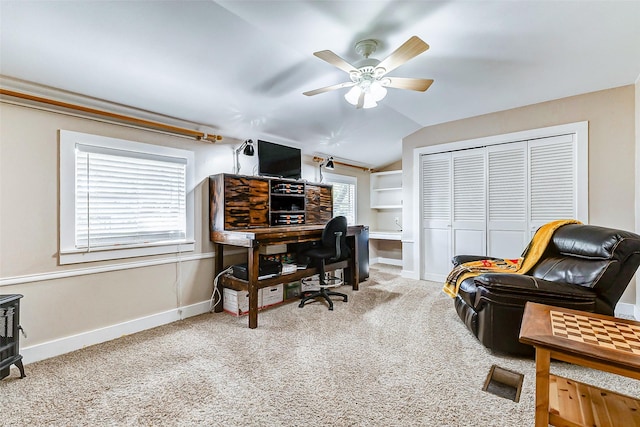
(121,117)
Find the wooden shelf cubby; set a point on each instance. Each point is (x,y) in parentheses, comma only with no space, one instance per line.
(574,403)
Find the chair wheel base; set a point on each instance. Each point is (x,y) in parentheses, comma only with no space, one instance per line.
(322,293)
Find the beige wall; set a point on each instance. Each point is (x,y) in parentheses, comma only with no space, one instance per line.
(55,307)
(610,114)
(64,306)
(395,166)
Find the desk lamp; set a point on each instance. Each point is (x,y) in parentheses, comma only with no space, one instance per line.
(328,165)
(247,150)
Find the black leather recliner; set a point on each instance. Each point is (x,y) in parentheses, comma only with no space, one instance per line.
(584,267)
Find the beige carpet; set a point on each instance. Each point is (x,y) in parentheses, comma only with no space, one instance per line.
(395,355)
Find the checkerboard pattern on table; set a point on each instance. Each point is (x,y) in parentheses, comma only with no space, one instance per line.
(604,333)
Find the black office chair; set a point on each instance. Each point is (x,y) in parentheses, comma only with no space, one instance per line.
(333,248)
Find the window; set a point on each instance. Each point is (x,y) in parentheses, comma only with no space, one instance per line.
(344,196)
(122,199)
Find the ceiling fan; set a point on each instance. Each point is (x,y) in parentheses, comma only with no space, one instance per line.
(369,78)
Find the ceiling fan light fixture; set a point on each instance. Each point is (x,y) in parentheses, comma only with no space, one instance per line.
(353,95)
(378,72)
(377,91)
(369,101)
(373,92)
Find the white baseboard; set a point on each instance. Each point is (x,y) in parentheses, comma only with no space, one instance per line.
(81,271)
(60,346)
(435,277)
(626,309)
(382,260)
(410,274)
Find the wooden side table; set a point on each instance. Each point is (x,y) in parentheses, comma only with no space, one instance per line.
(592,340)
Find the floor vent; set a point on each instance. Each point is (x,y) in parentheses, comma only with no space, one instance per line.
(504,383)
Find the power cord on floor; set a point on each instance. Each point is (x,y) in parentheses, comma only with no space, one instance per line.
(216,297)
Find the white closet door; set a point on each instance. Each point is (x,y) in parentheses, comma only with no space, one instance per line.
(469,225)
(507,231)
(436,215)
(553,187)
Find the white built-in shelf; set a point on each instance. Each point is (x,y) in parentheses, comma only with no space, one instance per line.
(385,235)
(386,190)
(387,207)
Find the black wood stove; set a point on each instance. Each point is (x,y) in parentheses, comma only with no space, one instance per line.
(9,339)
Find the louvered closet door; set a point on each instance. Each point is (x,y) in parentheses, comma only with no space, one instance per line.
(436,215)
(553,187)
(507,231)
(469,202)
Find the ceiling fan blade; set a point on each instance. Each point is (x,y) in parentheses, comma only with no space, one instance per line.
(410,49)
(407,83)
(328,88)
(335,60)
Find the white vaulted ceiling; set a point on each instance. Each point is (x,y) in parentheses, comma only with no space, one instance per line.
(240,67)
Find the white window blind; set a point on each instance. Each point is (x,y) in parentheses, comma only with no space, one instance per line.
(344,196)
(125,198)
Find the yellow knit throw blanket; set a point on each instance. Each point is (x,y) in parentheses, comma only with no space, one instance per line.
(522,265)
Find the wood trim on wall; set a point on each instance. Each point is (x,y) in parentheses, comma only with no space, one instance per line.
(114,116)
(53,275)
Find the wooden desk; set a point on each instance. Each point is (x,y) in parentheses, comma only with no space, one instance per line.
(254,238)
(593,340)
